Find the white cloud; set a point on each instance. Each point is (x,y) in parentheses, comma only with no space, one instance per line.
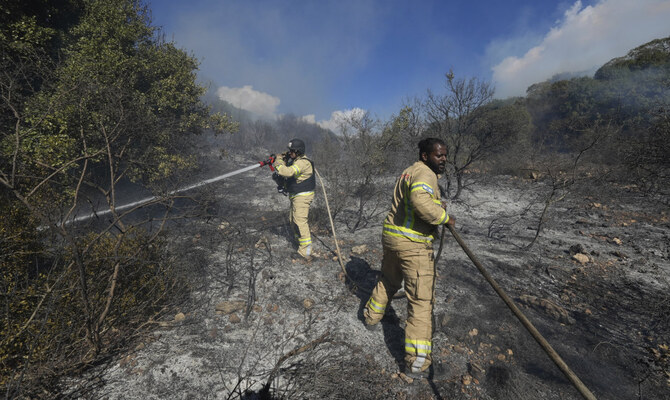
(583,40)
(311,118)
(249,99)
(338,118)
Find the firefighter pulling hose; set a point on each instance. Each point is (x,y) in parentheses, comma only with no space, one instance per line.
(414,355)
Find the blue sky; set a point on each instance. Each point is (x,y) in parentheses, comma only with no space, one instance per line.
(320,59)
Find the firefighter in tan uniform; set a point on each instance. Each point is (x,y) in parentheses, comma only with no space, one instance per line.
(408,233)
(295,176)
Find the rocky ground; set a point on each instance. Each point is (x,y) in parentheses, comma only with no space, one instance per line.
(262,325)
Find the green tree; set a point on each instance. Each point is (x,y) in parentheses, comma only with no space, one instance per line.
(91,97)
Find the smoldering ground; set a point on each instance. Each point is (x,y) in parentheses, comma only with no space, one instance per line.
(259,324)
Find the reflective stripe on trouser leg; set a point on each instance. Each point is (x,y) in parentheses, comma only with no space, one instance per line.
(388,283)
(418,272)
(299,215)
(421,350)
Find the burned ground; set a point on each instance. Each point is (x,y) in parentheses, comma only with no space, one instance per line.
(262,325)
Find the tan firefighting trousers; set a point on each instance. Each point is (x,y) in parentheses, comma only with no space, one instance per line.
(298,215)
(413,262)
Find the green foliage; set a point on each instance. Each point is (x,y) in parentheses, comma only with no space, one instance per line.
(91,96)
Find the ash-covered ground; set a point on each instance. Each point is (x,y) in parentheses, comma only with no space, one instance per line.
(261,325)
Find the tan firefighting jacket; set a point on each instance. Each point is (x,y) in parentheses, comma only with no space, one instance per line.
(301,169)
(417,209)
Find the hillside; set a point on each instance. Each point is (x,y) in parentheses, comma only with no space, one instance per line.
(655,54)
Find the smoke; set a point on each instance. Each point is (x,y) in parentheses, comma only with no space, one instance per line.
(583,40)
(247,98)
(265,105)
(338,118)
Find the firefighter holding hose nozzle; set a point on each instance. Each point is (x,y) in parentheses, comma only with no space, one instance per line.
(294,176)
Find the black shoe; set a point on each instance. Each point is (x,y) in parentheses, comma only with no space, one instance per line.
(417,375)
(374,327)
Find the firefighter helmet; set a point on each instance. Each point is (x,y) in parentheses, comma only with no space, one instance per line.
(297,145)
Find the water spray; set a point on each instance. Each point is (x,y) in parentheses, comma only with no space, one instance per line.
(205,182)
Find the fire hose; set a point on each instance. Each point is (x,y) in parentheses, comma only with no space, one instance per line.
(147,200)
(572,377)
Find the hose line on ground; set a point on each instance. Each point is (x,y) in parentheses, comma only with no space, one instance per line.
(583,390)
(337,246)
(574,379)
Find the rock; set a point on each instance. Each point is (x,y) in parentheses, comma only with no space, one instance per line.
(577,248)
(359,250)
(405,378)
(229,307)
(466,379)
(179,317)
(308,303)
(443,320)
(474,332)
(460,349)
(272,308)
(257,308)
(617,241)
(581,258)
(555,311)
(476,371)
(234,319)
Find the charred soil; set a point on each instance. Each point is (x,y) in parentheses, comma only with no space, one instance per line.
(260,324)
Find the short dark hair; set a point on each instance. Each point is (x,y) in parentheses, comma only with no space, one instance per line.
(428,144)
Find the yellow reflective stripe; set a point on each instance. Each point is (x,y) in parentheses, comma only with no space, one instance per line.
(419,347)
(410,234)
(305,241)
(422,185)
(300,194)
(436,201)
(296,169)
(376,306)
(444,218)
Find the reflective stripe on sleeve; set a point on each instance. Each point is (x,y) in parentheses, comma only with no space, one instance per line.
(422,185)
(444,218)
(376,307)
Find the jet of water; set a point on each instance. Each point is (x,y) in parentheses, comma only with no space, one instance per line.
(152,198)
